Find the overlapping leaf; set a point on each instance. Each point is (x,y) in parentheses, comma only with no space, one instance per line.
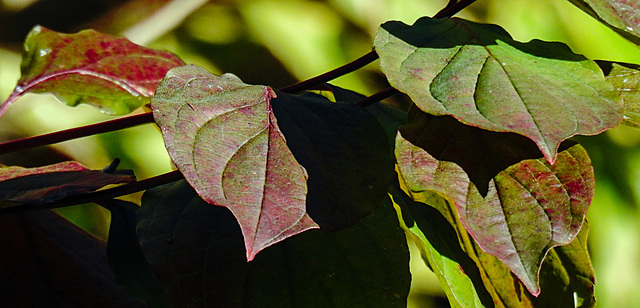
(478,74)
(48,262)
(198,254)
(529,208)
(113,74)
(224,138)
(623,16)
(625,78)
(51,183)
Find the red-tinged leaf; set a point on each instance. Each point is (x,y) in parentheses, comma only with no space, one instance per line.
(623,16)
(224,138)
(529,208)
(110,73)
(478,74)
(48,262)
(51,183)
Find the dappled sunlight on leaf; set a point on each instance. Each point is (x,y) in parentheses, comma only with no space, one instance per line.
(478,74)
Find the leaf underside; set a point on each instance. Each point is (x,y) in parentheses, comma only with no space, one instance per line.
(478,74)
(110,73)
(224,138)
(625,78)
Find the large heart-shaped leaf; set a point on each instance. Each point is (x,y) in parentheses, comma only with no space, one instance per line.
(224,138)
(625,78)
(529,208)
(481,76)
(113,74)
(198,255)
(623,16)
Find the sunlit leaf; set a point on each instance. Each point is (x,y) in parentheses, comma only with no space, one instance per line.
(439,247)
(481,76)
(623,16)
(224,138)
(198,254)
(51,183)
(110,73)
(529,208)
(48,262)
(625,78)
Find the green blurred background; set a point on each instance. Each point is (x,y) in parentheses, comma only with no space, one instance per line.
(279,42)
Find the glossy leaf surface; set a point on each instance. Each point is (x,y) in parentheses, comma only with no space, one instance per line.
(625,78)
(48,262)
(50,183)
(529,208)
(110,73)
(478,74)
(623,16)
(224,138)
(198,254)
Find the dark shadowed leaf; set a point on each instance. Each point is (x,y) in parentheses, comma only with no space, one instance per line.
(131,269)
(623,16)
(51,183)
(344,150)
(110,73)
(478,74)
(48,262)
(224,138)
(529,208)
(198,254)
(625,78)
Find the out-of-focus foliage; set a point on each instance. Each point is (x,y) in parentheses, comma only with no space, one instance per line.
(278,42)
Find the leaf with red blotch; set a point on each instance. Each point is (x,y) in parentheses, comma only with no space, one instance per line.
(51,183)
(110,73)
(48,262)
(224,138)
(529,208)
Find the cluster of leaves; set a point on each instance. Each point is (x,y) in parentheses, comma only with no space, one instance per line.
(318,193)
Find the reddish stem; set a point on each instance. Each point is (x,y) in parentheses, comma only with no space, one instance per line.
(333,74)
(73,133)
(386,93)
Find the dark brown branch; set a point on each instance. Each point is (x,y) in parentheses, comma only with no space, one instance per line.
(73,133)
(386,93)
(452,9)
(333,74)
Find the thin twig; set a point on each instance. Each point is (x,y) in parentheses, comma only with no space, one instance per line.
(73,133)
(386,93)
(333,74)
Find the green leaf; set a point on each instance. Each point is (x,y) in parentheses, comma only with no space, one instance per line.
(566,276)
(438,244)
(529,208)
(51,183)
(625,78)
(223,137)
(125,257)
(110,73)
(198,254)
(478,74)
(48,262)
(623,16)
